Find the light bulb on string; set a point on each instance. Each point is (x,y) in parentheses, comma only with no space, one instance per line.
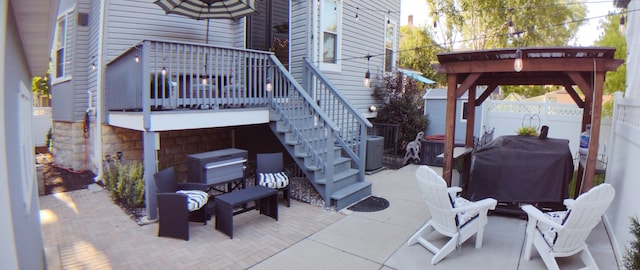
(517,64)
(269,85)
(511,27)
(164,71)
(622,26)
(357,10)
(367,75)
(388,17)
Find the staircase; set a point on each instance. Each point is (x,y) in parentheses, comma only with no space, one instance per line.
(323,133)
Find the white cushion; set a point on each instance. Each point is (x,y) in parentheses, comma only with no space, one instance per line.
(464,217)
(195,198)
(549,233)
(273,180)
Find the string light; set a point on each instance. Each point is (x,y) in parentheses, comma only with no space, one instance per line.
(622,26)
(137,59)
(93,66)
(269,86)
(367,76)
(517,64)
(388,17)
(164,71)
(511,27)
(357,10)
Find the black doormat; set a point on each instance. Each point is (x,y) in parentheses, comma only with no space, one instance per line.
(370,204)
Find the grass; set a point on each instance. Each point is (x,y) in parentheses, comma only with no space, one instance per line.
(597,180)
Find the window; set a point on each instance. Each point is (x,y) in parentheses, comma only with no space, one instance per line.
(59,47)
(465,111)
(389,44)
(330,28)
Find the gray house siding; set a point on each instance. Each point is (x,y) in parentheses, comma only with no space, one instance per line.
(300,37)
(24,213)
(82,63)
(359,38)
(130,21)
(64,97)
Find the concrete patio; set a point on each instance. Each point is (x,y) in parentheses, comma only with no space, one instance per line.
(85,230)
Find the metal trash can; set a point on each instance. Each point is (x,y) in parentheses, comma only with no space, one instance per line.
(375,152)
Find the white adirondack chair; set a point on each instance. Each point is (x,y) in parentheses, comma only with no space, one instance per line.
(563,233)
(451,216)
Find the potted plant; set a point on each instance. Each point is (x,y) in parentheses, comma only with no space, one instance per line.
(527,131)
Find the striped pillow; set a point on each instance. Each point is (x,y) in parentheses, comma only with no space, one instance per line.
(195,198)
(273,180)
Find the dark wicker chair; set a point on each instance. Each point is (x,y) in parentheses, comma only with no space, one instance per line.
(174,214)
(272,163)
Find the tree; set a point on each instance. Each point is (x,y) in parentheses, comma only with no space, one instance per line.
(611,37)
(40,84)
(418,51)
(485,24)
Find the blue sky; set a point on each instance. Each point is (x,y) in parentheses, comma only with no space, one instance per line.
(587,34)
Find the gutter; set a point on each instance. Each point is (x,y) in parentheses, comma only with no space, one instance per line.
(97,142)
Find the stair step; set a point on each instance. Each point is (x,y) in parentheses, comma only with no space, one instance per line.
(349,195)
(336,161)
(337,176)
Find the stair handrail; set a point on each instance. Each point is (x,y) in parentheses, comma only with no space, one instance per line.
(353,114)
(326,162)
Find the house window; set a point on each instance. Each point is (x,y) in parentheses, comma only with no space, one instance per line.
(330,29)
(389,44)
(465,111)
(59,47)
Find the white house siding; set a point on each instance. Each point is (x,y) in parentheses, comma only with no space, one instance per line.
(359,38)
(22,245)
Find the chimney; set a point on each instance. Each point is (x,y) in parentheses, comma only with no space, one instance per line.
(410,20)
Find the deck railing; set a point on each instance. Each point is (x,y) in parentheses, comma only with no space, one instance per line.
(352,126)
(171,75)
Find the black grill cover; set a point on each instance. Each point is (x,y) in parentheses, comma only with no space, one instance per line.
(521,169)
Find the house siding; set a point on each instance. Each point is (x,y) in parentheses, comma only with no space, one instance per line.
(23,214)
(130,21)
(359,38)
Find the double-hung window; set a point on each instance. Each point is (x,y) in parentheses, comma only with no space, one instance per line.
(59,47)
(389,44)
(330,34)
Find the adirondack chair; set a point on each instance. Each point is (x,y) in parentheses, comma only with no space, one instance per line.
(563,233)
(451,216)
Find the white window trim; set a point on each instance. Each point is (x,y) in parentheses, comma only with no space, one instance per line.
(65,77)
(394,47)
(337,67)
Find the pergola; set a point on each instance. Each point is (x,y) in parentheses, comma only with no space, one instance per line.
(584,67)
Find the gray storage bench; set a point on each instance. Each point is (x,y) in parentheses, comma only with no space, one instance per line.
(266,200)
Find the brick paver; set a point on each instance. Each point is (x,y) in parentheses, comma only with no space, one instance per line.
(90,232)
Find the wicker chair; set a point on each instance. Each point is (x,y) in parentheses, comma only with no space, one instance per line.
(179,203)
(270,173)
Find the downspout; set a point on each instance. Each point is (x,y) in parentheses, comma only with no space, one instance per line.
(97,142)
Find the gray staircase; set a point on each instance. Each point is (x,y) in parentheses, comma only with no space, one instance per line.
(347,189)
(323,133)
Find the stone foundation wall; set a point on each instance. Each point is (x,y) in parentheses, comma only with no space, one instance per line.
(68,145)
(176,145)
(126,141)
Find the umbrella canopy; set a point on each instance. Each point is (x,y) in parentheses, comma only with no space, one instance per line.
(208,9)
(416,76)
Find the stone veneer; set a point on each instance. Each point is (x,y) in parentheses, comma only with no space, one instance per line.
(68,147)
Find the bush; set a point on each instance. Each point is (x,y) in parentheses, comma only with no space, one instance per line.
(632,253)
(126,183)
(527,131)
(401,104)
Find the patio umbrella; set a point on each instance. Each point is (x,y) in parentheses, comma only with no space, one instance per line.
(208,9)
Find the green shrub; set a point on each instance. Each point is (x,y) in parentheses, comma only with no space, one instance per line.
(401,104)
(126,183)
(632,253)
(527,131)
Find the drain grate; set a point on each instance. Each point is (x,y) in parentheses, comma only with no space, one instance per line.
(370,204)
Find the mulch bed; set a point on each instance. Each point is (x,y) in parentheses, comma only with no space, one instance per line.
(58,179)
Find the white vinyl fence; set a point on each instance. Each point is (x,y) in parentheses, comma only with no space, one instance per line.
(41,122)
(563,120)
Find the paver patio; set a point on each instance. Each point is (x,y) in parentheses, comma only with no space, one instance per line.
(85,230)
